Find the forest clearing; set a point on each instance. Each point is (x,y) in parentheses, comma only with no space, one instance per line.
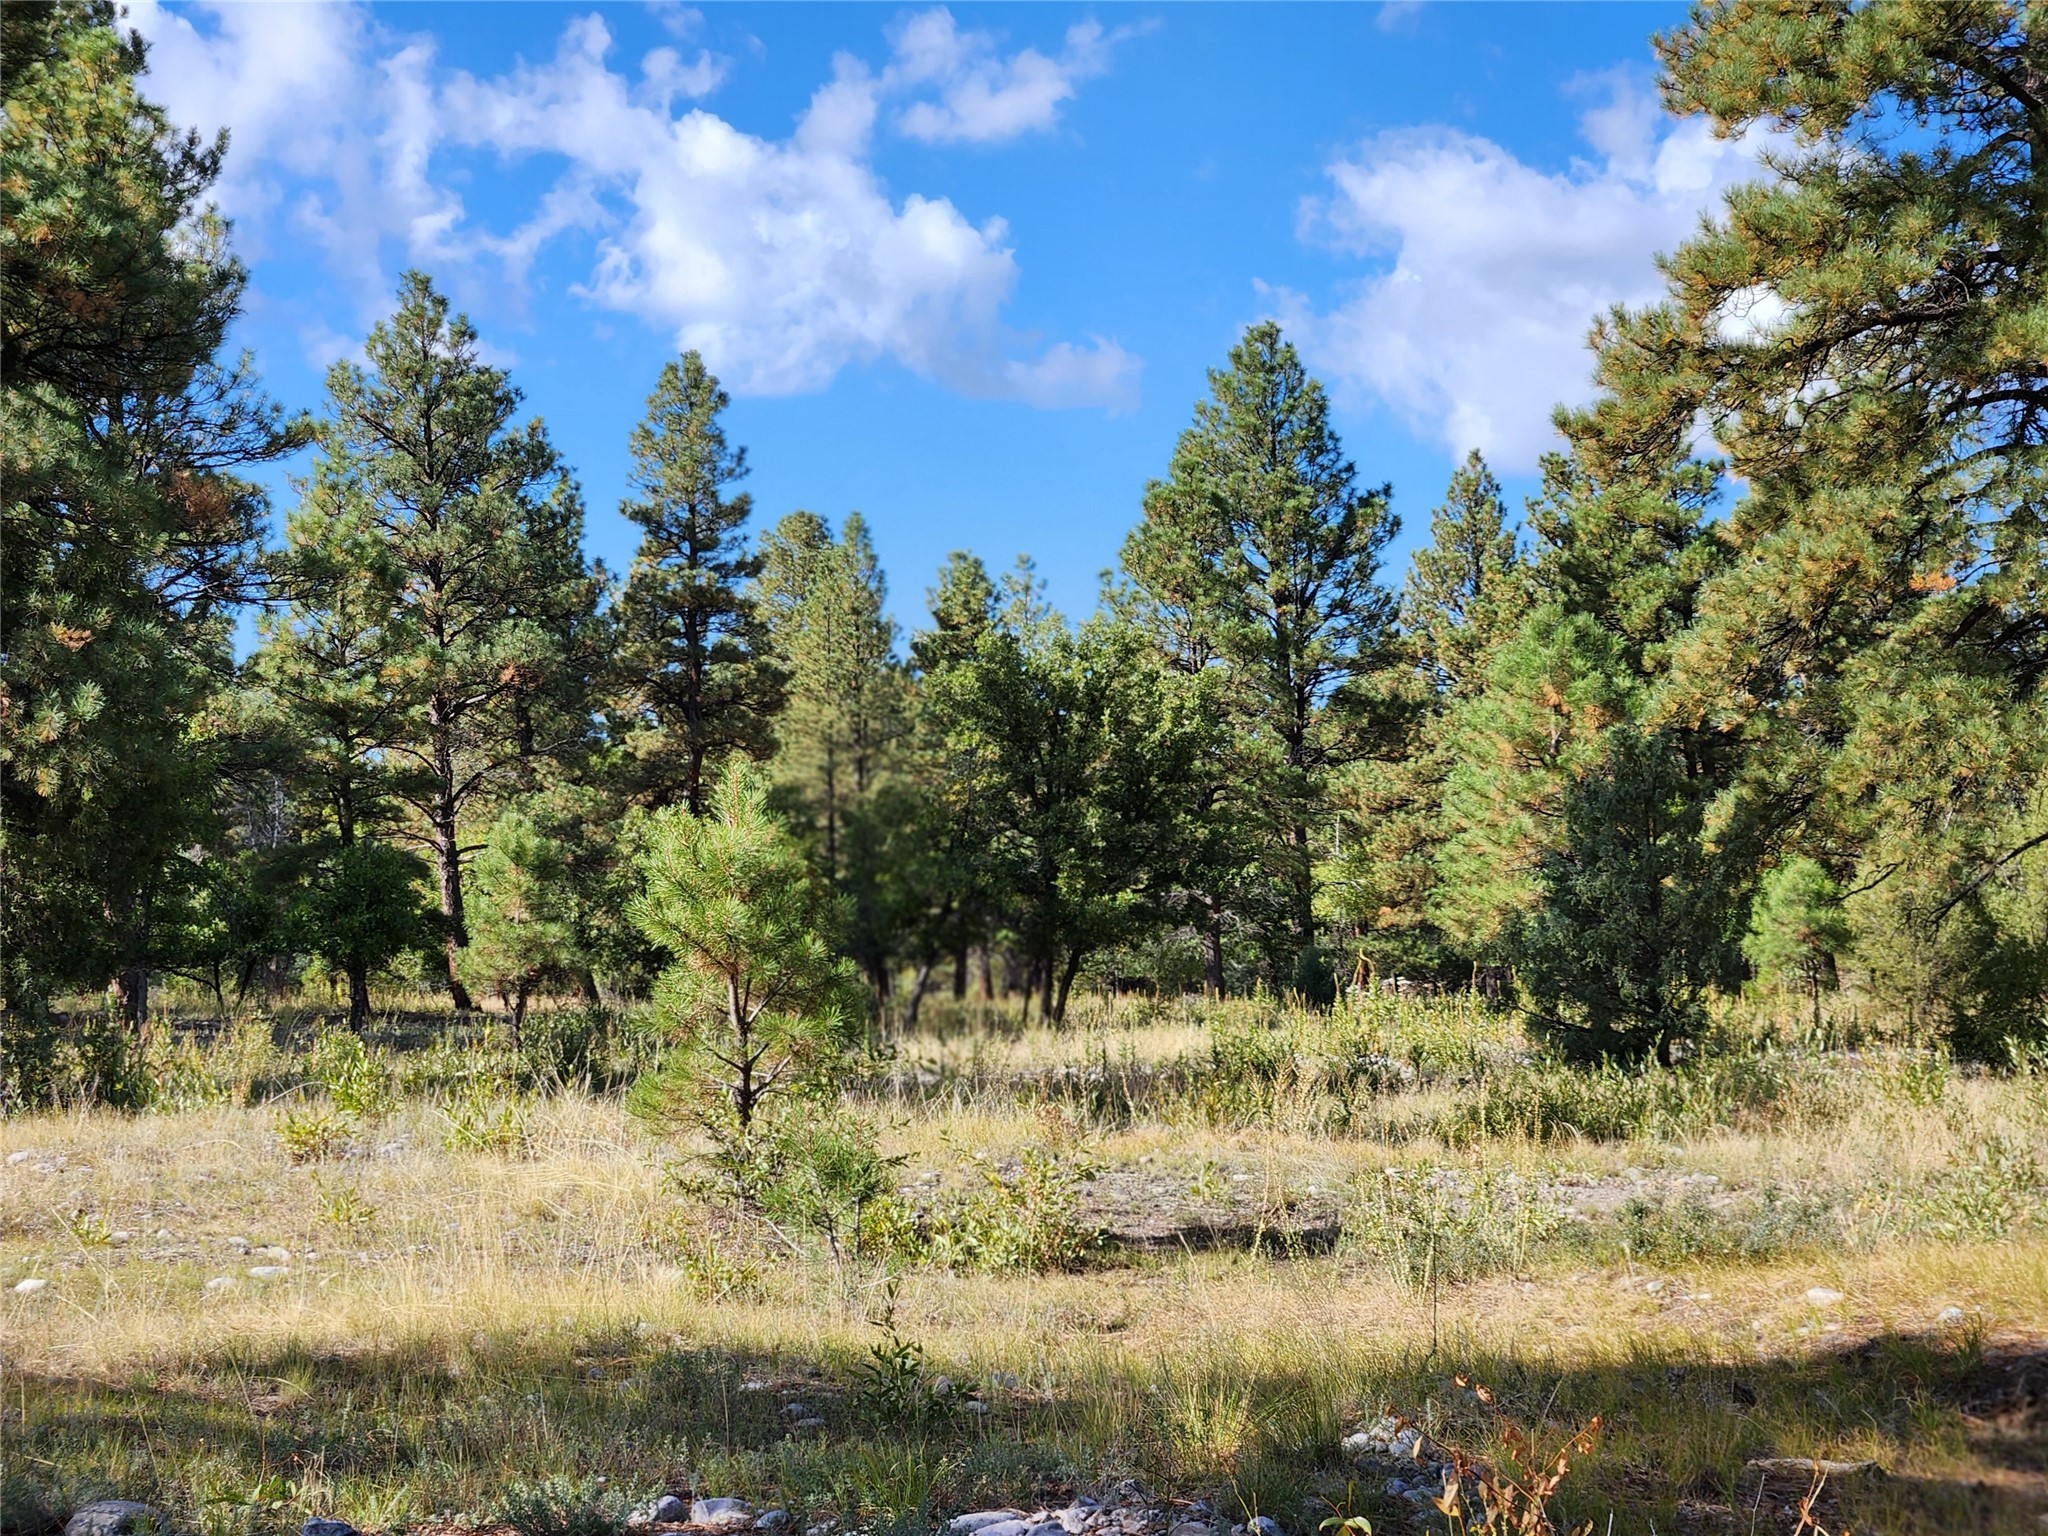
(539,998)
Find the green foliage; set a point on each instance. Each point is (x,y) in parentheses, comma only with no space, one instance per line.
(1027,1219)
(521,933)
(1259,556)
(1639,915)
(427,492)
(1797,927)
(313,1135)
(51,1060)
(756,1001)
(356,1075)
(1077,765)
(564,1506)
(484,1117)
(691,678)
(129,534)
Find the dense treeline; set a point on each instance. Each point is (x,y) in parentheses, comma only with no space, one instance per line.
(1751,689)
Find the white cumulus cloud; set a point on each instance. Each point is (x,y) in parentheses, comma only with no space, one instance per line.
(1491,271)
(983,97)
(782,260)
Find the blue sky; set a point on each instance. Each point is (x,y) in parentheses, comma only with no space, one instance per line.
(962,268)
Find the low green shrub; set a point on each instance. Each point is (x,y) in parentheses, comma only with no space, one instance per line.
(564,1506)
(313,1134)
(1694,1229)
(485,1116)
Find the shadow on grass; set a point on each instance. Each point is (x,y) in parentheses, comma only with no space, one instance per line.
(251,1442)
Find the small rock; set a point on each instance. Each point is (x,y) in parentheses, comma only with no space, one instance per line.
(1653,1287)
(976,1406)
(268,1271)
(221,1283)
(1074,1519)
(119,1237)
(1949,1317)
(721,1512)
(1047,1528)
(115,1517)
(30,1286)
(1359,1444)
(1189,1528)
(316,1526)
(772,1520)
(1262,1525)
(274,1255)
(1821,1296)
(16,1158)
(796,1410)
(989,1522)
(813,1422)
(667,1510)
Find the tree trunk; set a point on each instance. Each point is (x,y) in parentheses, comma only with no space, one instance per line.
(586,980)
(924,976)
(988,978)
(1073,968)
(448,864)
(1045,986)
(358,994)
(960,974)
(519,997)
(133,988)
(1212,954)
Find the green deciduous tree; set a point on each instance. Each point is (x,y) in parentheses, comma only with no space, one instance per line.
(1075,760)
(1797,927)
(128,537)
(693,683)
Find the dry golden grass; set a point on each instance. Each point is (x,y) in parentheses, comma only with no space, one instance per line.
(449,1322)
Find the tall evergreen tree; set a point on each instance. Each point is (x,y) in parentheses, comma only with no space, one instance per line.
(1464,586)
(1864,335)
(694,684)
(845,707)
(328,678)
(1260,554)
(420,461)
(128,537)
(1467,591)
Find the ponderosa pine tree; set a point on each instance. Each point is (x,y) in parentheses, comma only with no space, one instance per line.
(845,706)
(326,680)
(1260,554)
(1467,591)
(420,460)
(1465,586)
(128,537)
(693,682)
(1864,334)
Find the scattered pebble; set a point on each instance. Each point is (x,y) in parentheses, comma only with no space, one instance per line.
(1949,1317)
(317,1526)
(721,1512)
(1821,1296)
(29,1287)
(221,1283)
(268,1271)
